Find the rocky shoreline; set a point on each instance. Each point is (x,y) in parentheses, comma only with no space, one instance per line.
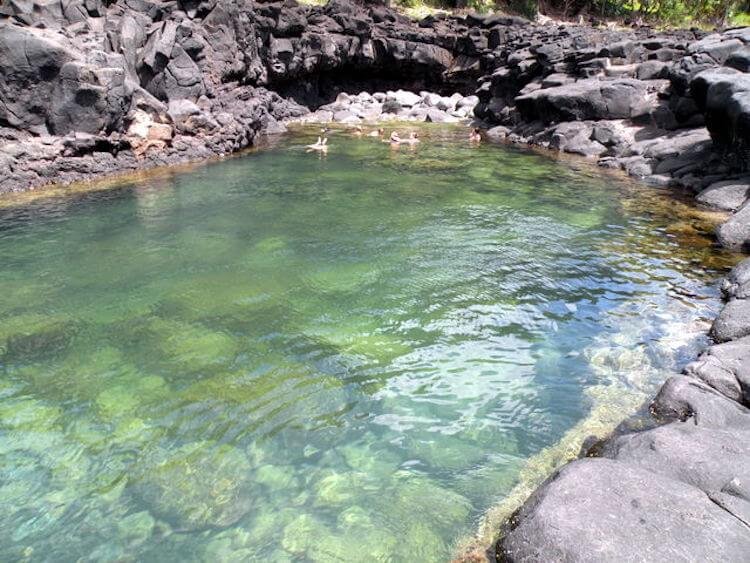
(91,88)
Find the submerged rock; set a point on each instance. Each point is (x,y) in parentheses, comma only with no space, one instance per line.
(198,486)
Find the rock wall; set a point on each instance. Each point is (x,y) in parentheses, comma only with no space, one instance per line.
(89,87)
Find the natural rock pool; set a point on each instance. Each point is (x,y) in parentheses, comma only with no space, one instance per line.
(287,356)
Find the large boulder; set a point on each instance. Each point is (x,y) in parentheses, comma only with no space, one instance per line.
(733,322)
(47,86)
(605,510)
(726,368)
(590,99)
(737,283)
(735,233)
(724,95)
(706,458)
(30,64)
(197,486)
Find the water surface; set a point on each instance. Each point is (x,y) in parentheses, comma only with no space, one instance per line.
(294,357)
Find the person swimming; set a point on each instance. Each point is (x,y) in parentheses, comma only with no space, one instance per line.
(321,145)
(358,131)
(475,136)
(395,139)
(413,138)
(376,133)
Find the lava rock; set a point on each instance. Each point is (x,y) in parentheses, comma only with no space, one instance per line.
(735,233)
(728,195)
(600,509)
(733,322)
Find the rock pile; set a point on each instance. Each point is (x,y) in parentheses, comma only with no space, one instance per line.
(670,108)
(394,106)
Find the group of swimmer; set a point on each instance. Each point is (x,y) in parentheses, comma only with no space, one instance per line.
(395,140)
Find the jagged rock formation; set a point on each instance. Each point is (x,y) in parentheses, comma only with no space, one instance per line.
(90,87)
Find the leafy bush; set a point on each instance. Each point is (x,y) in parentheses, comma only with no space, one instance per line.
(673,12)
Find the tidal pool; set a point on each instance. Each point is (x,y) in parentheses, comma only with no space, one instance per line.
(293,357)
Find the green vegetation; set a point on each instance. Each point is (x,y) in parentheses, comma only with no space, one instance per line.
(671,12)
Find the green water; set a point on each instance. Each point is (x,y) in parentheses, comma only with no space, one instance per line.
(294,357)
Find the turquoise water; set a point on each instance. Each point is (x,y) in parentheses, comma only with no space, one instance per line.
(295,357)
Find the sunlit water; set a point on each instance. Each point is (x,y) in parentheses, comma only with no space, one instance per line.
(293,357)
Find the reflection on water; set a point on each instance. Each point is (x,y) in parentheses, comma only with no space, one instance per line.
(285,357)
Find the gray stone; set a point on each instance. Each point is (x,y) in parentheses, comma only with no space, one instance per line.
(729,195)
(587,99)
(604,510)
(733,322)
(706,458)
(735,233)
(497,133)
(726,368)
(737,283)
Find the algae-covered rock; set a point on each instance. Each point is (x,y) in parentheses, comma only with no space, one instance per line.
(422,543)
(302,533)
(359,336)
(276,477)
(136,528)
(344,278)
(28,414)
(341,488)
(33,337)
(126,398)
(445,510)
(443,451)
(194,348)
(197,486)
(366,458)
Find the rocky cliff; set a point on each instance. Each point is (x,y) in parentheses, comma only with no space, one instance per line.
(89,87)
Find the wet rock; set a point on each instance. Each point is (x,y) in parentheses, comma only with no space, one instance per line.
(579,514)
(737,283)
(735,233)
(733,322)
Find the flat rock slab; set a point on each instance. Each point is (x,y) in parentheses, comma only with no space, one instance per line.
(604,510)
(729,195)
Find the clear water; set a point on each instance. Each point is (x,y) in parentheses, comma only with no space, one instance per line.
(294,357)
